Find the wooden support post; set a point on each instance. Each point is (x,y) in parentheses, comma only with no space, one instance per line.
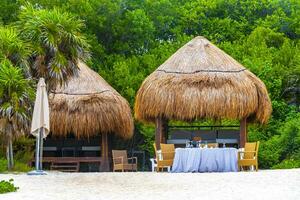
(104,166)
(243,132)
(158,132)
(164,130)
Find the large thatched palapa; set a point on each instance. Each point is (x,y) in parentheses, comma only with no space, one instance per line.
(89,106)
(202,81)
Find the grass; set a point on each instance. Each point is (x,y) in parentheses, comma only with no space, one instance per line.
(18,167)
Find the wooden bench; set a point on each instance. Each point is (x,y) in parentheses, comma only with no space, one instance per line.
(68,164)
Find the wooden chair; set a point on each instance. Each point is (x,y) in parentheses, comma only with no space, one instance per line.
(121,163)
(249,157)
(165,157)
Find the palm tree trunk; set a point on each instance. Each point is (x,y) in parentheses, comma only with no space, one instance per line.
(10,155)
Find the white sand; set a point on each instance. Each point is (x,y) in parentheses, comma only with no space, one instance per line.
(268,184)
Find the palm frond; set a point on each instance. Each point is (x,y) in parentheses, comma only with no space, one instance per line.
(57,38)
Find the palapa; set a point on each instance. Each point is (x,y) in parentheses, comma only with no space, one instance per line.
(88,106)
(202,81)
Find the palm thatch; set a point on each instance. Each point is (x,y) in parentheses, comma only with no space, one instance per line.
(87,106)
(202,81)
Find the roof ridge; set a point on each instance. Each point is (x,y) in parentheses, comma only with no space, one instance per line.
(89,93)
(203,70)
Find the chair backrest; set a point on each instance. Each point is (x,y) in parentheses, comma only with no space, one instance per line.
(155,150)
(251,146)
(168,151)
(196,138)
(118,154)
(212,145)
(257,146)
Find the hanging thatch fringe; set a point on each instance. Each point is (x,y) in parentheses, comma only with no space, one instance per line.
(88,106)
(201,81)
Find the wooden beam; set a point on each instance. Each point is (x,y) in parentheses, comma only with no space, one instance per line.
(165,130)
(158,132)
(243,132)
(104,166)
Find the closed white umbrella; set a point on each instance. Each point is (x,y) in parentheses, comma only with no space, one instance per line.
(40,118)
(40,126)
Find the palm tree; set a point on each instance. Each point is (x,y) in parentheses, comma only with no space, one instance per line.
(14,89)
(16,95)
(57,41)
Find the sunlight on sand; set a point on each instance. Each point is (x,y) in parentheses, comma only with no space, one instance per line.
(266,184)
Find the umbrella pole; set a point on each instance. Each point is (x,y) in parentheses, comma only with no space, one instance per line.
(38,155)
(37,152)
(41,149)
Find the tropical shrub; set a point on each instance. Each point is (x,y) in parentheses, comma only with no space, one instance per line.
(3,165)
(7,186)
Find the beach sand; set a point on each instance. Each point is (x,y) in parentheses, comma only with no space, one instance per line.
(265,184)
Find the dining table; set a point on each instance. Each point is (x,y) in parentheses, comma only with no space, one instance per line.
(205,160)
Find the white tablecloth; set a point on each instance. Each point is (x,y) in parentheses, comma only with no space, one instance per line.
(205,160)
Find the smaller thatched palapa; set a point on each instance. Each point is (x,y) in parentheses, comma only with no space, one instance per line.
(202,81)
(89,106)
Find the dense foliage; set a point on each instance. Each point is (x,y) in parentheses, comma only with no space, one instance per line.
(130,38)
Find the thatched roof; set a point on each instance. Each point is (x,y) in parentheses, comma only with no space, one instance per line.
(202,81)
(88,106)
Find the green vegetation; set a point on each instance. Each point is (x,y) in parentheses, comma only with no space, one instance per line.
(48,45)
(23,150)
(129,39)
(7,186)
(18,166)
(16,96)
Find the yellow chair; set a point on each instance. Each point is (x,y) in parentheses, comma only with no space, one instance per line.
(165,156)
(249,157)
(196,138)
